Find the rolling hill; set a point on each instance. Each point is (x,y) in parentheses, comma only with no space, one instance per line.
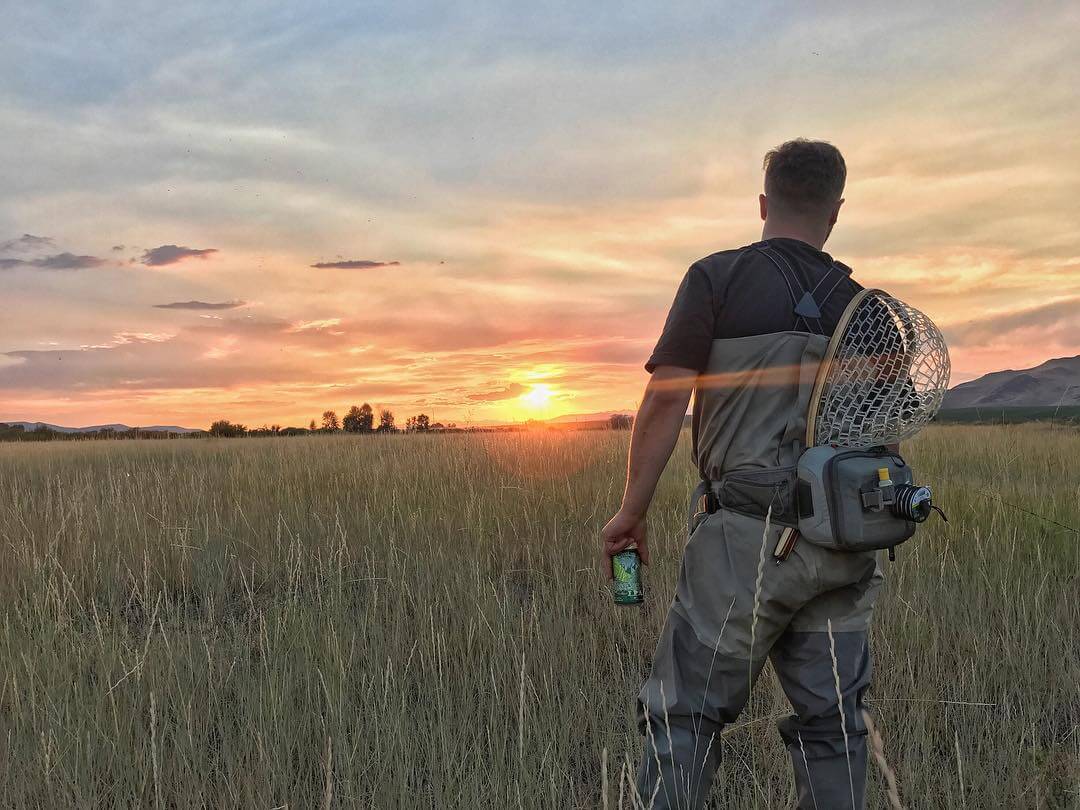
(1055,382)
(29,426)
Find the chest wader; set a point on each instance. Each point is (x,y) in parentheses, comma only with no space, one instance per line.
(734,607)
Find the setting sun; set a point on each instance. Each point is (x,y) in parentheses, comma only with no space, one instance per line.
(537,398)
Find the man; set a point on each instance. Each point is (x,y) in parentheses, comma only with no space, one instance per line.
(746,334)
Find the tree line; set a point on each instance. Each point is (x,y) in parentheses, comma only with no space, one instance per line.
(358,419)
(18,433)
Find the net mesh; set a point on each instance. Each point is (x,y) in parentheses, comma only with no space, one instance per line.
(886,378)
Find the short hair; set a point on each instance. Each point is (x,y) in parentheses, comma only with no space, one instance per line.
(805,177)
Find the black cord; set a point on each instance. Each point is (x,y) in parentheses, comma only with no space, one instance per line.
(1029,512)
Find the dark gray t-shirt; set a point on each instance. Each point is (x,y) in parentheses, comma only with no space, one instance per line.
(751,291)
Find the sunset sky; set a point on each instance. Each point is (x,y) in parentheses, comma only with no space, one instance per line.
(482,210)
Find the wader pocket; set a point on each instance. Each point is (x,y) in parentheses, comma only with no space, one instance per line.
(753,493)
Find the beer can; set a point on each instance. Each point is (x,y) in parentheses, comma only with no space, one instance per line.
(626,578)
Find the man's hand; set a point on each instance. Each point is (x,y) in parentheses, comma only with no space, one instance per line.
(622,531)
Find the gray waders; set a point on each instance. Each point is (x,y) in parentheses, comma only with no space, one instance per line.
(734,607)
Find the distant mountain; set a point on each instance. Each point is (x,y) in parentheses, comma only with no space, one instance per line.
(1055,382)
(28,426)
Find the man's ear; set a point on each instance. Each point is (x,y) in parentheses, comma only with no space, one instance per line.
(763,203)
(835,213)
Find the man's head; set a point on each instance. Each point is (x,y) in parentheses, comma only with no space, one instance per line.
(804,187)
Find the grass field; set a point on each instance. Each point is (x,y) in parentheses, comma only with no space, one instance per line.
(418,622)
(1053,415)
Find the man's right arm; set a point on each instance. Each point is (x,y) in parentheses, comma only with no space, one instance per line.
(681,354)
(656,431)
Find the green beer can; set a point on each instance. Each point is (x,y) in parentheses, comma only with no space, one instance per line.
(626,578)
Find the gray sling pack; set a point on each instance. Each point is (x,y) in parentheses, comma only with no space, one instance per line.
(842,502)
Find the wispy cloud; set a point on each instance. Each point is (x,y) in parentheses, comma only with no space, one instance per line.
(1055,322)
(172,254)
(317,325)
(354,264)
(201,305)
(509,392)
(26,242)
(60,261)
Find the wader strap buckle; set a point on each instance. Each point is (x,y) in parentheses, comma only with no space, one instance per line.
(709,501)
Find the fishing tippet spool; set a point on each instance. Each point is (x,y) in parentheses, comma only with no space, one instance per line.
(913,503)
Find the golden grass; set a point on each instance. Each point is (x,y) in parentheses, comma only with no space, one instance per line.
(418,622)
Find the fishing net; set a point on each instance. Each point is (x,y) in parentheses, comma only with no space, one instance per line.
(885,376)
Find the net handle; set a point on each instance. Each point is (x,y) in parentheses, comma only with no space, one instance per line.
(826,362)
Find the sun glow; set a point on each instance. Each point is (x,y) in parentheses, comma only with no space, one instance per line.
(538,398)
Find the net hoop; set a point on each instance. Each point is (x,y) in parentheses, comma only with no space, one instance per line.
(883,377)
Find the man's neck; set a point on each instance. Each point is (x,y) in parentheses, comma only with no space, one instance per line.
(790,230)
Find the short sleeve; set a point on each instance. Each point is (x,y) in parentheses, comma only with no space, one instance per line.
(691,322)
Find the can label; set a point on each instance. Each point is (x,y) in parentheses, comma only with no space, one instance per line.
(626,577)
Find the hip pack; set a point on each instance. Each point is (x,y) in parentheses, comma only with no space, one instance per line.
(838,498)
(858,499)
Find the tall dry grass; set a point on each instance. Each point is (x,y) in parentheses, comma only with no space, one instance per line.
(418,622)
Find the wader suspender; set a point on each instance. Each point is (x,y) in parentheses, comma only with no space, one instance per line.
(806,308)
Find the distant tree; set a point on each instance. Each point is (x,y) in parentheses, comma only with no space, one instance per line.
(42,434)
(330,422)
(12,433)
(620,421)
(265,430)
(418,424)
(358,420)
(311,426)
(351,422)
(438,426)
(227,429)
(386,421)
